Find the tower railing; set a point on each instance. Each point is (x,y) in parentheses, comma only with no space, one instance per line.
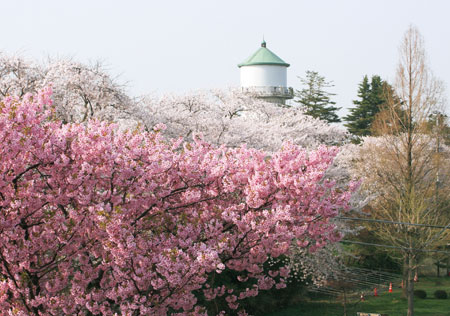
(270,91)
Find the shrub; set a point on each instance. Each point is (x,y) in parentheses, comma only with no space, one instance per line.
(440,294)
(420,294)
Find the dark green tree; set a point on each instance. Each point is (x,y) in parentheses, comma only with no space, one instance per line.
(437,125)
(372,96)
(315,99)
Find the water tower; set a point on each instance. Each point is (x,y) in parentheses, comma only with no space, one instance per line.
(265,75)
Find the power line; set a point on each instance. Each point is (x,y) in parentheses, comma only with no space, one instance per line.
(390,222)
(395,247)
(364,280)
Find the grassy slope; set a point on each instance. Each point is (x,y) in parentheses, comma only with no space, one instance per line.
(389,303)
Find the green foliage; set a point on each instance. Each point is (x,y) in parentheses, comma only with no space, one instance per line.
(266,300)
(371,257)
(371,98)
(316,101)
(274,300)
(437,124)
(420,294)
(440,294)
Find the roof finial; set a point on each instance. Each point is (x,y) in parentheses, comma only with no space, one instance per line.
(263,44)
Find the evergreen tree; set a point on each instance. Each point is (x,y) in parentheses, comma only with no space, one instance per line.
(437,125)
(315,99)
(372,97)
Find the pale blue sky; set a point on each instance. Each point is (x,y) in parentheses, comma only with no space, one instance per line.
(167,46)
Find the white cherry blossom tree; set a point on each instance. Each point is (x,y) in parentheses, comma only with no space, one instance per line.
(233,118)
(81,91)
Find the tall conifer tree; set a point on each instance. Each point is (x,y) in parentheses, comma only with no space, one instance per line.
(315,99)
(371,98)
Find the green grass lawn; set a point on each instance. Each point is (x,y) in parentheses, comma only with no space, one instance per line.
(387,303)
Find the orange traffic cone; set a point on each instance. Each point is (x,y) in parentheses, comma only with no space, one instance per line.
(390,287)
(375,293)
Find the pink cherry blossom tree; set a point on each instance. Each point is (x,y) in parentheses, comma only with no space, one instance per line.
(94,221)
(228,116)
(81,92)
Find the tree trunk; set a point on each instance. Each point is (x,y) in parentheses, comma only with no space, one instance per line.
(410,286)
(345,302)
(448,267)
(438,263)
(405,276)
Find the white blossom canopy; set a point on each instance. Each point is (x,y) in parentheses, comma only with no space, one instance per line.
(233,118)
(80,91)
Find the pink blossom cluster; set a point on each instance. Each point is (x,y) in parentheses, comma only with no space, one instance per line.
(99,222)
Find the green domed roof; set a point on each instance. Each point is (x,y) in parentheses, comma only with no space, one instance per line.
(263,56)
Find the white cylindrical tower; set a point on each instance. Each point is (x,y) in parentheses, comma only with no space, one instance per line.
(265,75)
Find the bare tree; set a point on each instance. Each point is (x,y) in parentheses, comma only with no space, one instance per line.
(400,165)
